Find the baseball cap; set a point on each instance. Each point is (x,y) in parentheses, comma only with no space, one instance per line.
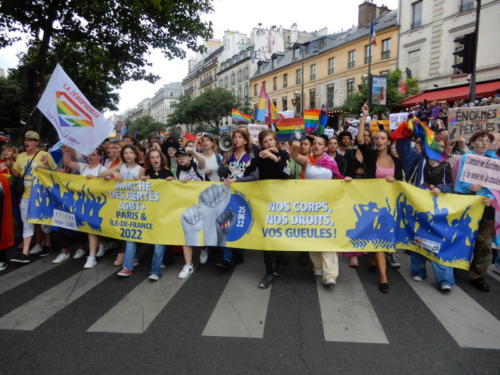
(181,151)
(31,134)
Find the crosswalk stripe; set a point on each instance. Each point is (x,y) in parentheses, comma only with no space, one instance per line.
(25,273)
(137,310)
(42,307)
(346,310)
(242,306)
(495,275)
(466,321)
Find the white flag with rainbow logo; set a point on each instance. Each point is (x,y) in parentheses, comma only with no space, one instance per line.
(78,124)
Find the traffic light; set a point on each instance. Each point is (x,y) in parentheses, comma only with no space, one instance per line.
(467,53)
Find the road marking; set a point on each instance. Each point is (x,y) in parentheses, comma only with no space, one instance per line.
(495,275)
(242,307)
(137,310)
(42,307)
(346,310)
(25,273)
(466,321)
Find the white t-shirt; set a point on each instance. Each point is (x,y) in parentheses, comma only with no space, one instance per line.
(211,163)
(130,173)
(192,175)
(85,170)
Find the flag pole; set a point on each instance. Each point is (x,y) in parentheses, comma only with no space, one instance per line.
(369,88)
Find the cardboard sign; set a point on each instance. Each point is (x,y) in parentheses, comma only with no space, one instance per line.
(375,126)
(254,130)
(397,118)
(463,122)
(480,170)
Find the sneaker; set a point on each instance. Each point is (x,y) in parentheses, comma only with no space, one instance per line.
(119,259)
(480,284)
(79,254)
(266,281)
(45,251)
(3,265)
(136,262)
(61,258)
(186,271)
(328,281)
(394,260)
(383,287)
(203,256)
(162,266)
(353,262)
(100,251)
(21,258)
(496,269)
(318,272)
(417,278)
(37,249)
(154,277)
(445,288)
(125,272)
(90,263)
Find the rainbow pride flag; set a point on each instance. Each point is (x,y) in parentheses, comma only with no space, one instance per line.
(237,116)
(419,129)
(311,119)
(288,129)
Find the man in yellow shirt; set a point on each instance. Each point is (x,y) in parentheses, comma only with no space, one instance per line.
(24,167)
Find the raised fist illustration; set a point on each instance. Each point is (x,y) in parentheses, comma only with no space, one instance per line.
(192,224)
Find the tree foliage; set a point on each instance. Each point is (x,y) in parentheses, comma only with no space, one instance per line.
(11,104)
(205,111)
(102,44)
(144,126)
(395,98)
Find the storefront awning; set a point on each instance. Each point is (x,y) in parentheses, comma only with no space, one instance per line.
(454,93)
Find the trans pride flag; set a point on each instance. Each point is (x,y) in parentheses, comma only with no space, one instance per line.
(311,119)
(260,113)
(237,116)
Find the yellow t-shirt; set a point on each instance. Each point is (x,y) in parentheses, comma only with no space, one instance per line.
(22,162)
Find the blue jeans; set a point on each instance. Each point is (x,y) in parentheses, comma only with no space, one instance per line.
(443,274)
(227,254)
(130,255)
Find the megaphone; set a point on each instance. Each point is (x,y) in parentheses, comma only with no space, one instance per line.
(226,143)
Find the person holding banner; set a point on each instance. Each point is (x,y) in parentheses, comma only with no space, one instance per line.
(320,165)
(23,167)
(378,163)
(94,168)
(481,143)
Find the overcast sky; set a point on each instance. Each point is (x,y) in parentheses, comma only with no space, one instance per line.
(235,15)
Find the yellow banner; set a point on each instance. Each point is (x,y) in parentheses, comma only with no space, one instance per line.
(305,215)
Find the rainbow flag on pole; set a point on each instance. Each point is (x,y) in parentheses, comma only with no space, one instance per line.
(237,116)
(311,119)
(288,129)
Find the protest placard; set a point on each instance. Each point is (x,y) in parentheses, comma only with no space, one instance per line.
(255,129)
(480,170)
(397,118)
(463,122)
(377,125)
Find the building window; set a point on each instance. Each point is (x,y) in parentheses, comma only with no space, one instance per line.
(296,53)
(329,95)
(350,86)
(364,79)
(331,65)
(368,54)
(298,76)
(413,64)
(386,48)
(245,91)
(285,80)
(313,72)
(246,72)
(255,90)
(351,61)
(384,73)
(284,103)
(226,82)
(273,62)
(321,44)
(275,83)
(416,14)
(233,79)
(312,98)
(466,5)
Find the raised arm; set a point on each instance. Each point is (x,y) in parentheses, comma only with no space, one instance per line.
(67,159)
(361,129)
(294,153)
(197,156)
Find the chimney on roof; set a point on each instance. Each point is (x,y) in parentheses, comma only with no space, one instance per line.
(381,10)
(367,11)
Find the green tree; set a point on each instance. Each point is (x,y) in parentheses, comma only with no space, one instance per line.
(355,101)
(102,44)
(11,103)
(144,126)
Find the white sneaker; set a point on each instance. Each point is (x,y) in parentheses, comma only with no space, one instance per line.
(90,263)
(328,281)
(37,249)
(3,265)
(318,272)
(394,260)
(79,254)
(186,271)
(203,256)
(100,251)
(417,278)
(61,258)
(154,277)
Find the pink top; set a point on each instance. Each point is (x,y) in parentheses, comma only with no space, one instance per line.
(384,172)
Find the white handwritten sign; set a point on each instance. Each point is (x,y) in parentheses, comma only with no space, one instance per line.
(480,170)
(463,122)
(64,220)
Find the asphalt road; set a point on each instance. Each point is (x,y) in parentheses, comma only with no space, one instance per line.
(64,320)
